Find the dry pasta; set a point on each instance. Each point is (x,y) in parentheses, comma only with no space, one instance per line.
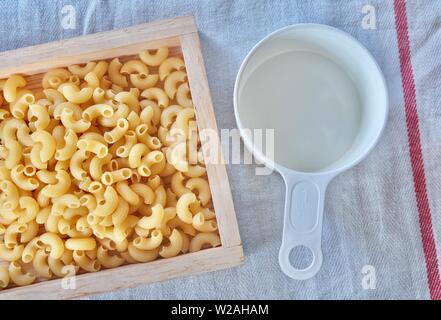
(94,170)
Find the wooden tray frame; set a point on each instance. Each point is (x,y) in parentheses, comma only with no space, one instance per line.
(178,32)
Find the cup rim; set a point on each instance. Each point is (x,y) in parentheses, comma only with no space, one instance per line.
(273,164)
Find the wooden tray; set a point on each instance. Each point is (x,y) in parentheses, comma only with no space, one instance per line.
(182,36)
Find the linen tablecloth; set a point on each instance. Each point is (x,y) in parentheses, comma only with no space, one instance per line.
(382,218)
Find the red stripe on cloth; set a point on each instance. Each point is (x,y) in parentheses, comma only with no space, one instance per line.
(416,155)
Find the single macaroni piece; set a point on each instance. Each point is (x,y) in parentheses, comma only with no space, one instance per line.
(100,69)
(122,111)
(138,151)
(98,95)
(11,194)
(55,246)
(177,184)
(183,207)
(121,128)
(100,167)
(168,116)
(168,65)
(92,80)
(30,249)
(127,193)
(134,120)
(158,95)
(91,265)
(76,164)
(72,94)
(64,266)
(177,156)
(69,148)
(81,71)
(68,120)
(18,277)
(154,59)
(142,255)
(58,109)
(202,188)
(54,77)
(183,118)
(97,164)
(128,99)
(84,244)
(183,95)
(150,243)
(201,225)
(174,247)
(47,142)
(32,231)
(97,110)
(143,82)
(12,232)
(55,97)
(21,181)
(36,158)
(4,277)
(171,82)
(40,264)
(108,204)
(114,73)
(20,106)
(195,171)
(62,185)
(11,85)
(107,260)
(134,66)
(38,116)
(67,200)
(121,213)
(153,221)
(93,146)
(144,191)
(11,254)
(204,239)
(111,177)
(29,210)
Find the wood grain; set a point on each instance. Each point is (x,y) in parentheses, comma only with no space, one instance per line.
(131,275)
(217,174)
(102,45)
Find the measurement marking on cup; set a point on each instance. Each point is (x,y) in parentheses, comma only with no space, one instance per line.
(305,197)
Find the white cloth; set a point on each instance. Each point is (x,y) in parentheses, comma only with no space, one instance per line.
(371,214)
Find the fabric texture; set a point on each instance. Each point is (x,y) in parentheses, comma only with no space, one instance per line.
(372,216)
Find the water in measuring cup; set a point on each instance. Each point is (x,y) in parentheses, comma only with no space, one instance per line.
(310,102)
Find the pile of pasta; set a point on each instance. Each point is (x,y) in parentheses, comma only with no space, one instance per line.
(94,169)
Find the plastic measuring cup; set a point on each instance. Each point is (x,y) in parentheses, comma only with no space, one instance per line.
(306,184)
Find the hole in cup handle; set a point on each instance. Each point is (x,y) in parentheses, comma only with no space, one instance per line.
(300,274)
(303,218)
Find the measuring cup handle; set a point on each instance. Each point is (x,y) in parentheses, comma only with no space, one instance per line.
(303,218)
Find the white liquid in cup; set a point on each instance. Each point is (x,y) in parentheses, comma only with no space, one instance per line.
(310,102)
(326,99)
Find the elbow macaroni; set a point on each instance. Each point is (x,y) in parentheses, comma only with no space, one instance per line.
(95,172)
